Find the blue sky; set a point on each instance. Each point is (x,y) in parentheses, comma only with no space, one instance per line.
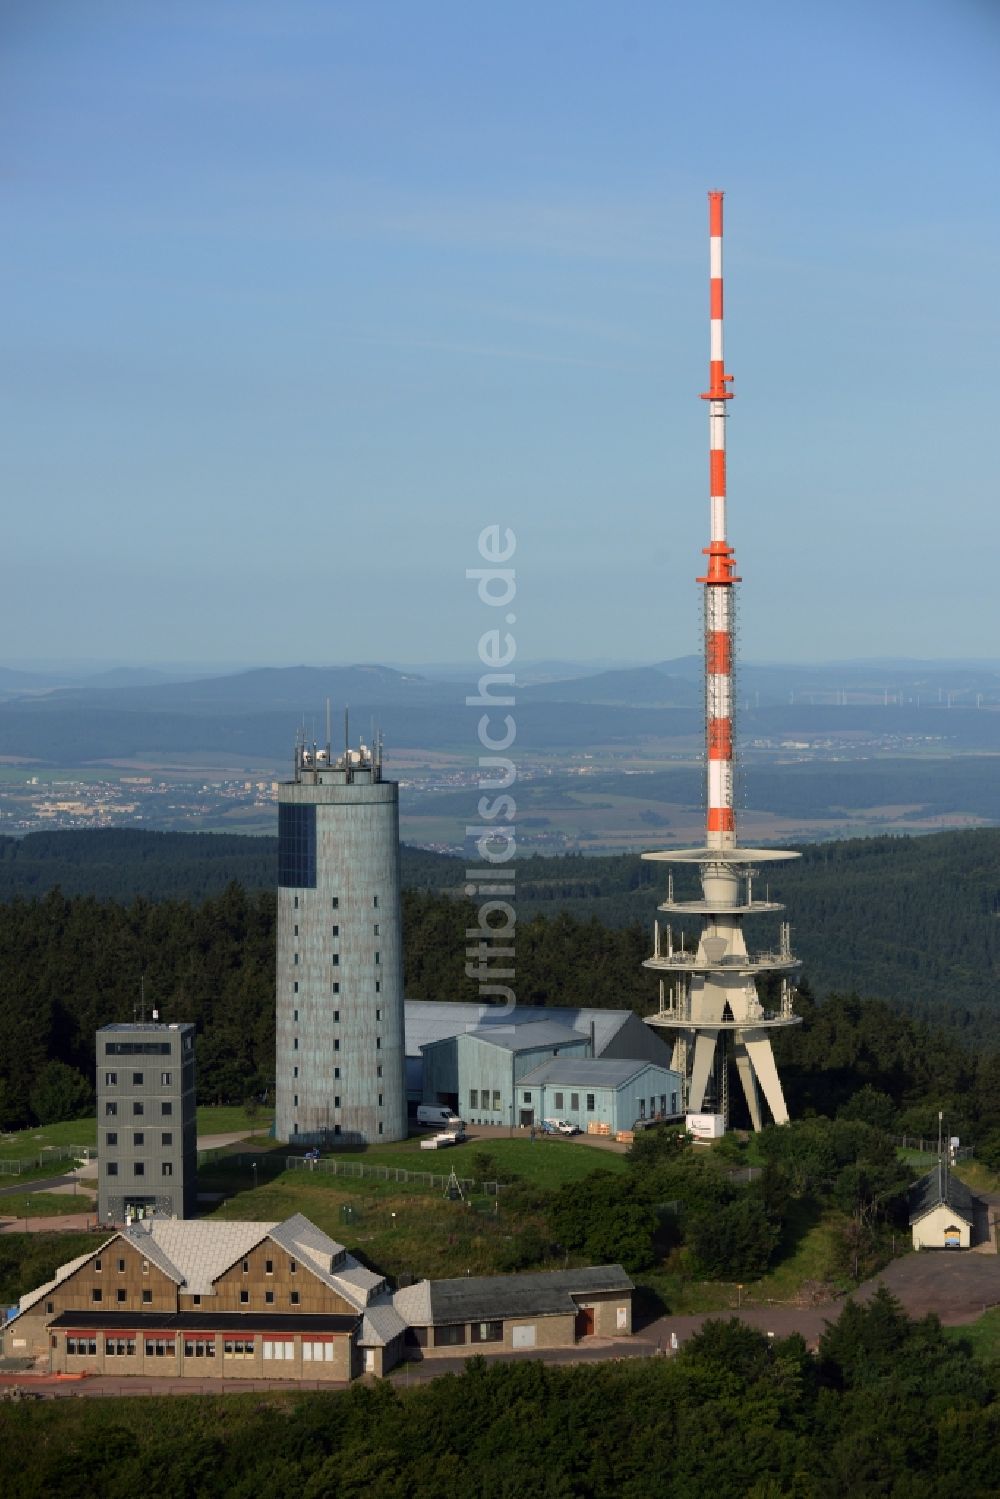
(300,295)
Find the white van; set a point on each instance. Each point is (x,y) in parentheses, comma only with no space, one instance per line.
(438,1116)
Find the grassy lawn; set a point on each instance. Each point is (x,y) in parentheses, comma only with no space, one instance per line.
(45,1204)
(977,1176)
(28,1143)
(546,1163)
(227,1119)
(400,1230)
(983,1335)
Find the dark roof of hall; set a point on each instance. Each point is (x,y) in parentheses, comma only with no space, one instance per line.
(941,1187)
(260,1324)
(484,1297)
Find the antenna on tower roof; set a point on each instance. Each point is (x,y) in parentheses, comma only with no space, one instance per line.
(347,729)
(329,736)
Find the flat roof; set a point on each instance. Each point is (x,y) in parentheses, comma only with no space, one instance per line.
(141,1026)
(430,1020)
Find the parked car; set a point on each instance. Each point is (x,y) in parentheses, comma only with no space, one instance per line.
(560,1127)
(438,1116)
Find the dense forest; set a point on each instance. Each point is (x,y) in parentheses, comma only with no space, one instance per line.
(909,920)
(885,1406)
(71,964)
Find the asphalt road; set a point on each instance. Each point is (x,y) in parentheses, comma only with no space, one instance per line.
(38,1186)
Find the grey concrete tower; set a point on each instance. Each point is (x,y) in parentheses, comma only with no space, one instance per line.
(147,1148)
(341,1069)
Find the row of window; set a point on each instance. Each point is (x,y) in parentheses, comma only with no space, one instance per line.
(336,1127)
(313,1350)
(336,1040)
(475,1094)
(138,1078)
(335,902)
(334,958)
(141,1048)
(138,1168)
(138,1137)
(481,1332)
(653,1113)
(139,1109)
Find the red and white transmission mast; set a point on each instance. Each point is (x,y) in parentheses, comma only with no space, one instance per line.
(712,1005)
(720,577)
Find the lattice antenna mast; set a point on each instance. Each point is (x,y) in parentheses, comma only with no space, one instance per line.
(720,575)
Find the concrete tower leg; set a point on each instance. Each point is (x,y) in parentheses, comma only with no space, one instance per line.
(745,1071)
(704,1055)
(762,1057)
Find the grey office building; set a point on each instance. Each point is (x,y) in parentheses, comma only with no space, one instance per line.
(340,1062)
(147,1128)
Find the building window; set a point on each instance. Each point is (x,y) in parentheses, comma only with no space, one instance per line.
(111,1137)
(335,960)
(166,1109)
(378,1043)
(145,1267)
(294,1298)
(336,1072)
(292,1267)
(111,1167)
(166,1137)
(50,1307)
(336,1101)
(496,1100)
(167,1168)
(315,1352)
(473,1098)
(296,846)
(97,1264)
(246,1267)
(199,1347)
(378,1014)
(378,986)
(121,1267)
(244,1298)
(295,1101)
(238,1348)
(377,958)
(295,1013)
(284,1350)
(487,1332)
(139,1168)
(526,1097)
(449,1337)
(375,902)
(268,1267)
(591,1103)
(110,1079)
(120,1294)
(196,1300)
(335,902)
(336,1017)
(557,1100)
(336,1044)
(295,1044)
(295,930)
(380,1129)
(376,929)
(138,1137)
(137,1110)
(96,1296)
(165,1079)
(269,1298)
(295,1072)
(380,1100)
(296,903)
(295,960)
(335,931)
(378,1070)
(663,1103)
(574,1102)
(642,1108)
(137,1079)
(111,1109)
(336,987)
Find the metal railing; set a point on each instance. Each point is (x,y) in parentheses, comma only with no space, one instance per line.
(50,1156)
(360,1171)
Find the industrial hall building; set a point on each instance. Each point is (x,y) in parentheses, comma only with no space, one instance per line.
(518,1067)
(203,1299)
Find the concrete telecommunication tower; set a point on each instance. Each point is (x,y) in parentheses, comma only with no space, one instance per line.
(339,983)
(709,997)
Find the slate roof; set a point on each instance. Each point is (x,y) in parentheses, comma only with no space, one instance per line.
(428,1020)
(30,1297)
(941,1187)
(587,1072)
(483,1298)
(382,1322)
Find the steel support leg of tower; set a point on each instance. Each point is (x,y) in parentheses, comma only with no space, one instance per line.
(762,1057)
(704,1055)
(749,1082)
